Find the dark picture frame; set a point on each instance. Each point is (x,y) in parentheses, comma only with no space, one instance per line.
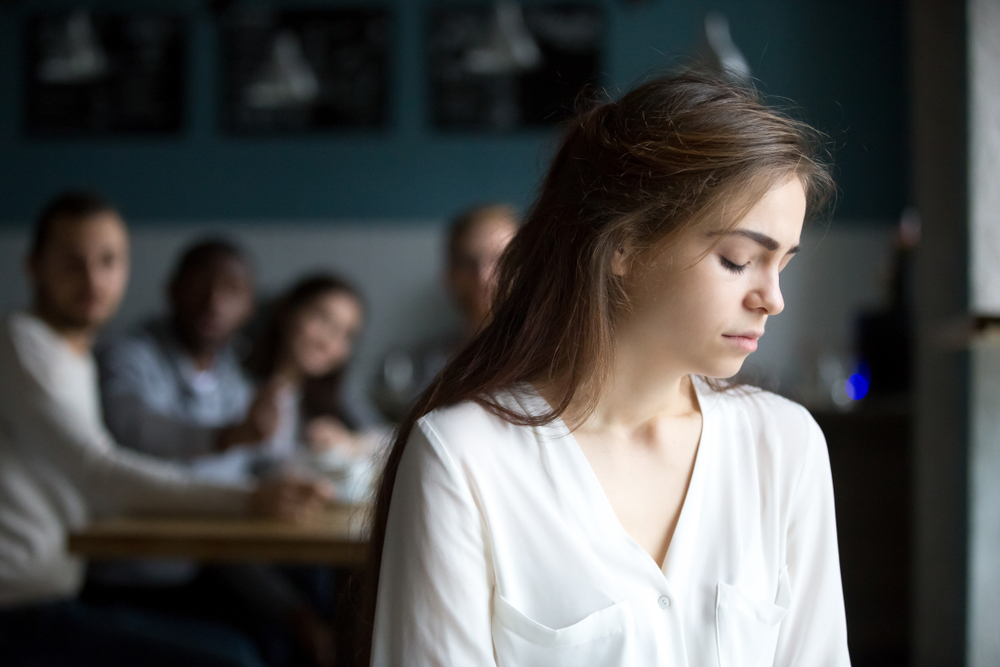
(103,73)
(506,66)
(305,70)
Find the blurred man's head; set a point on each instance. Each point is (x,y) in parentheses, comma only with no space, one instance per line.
(78,262)
(211,295)
(476,241)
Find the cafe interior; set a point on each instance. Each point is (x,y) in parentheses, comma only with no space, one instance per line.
(354,149)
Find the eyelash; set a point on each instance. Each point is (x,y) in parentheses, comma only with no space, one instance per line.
(733,267)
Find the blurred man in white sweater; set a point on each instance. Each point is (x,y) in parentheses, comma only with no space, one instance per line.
(59,467)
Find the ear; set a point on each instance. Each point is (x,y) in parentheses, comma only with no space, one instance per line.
(619,264)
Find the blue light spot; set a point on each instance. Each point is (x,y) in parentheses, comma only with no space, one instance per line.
(857,386)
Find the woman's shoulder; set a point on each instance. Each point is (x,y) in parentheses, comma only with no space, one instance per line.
(776,422)
(468,418)
(470,427)
(458,419)
(763,403)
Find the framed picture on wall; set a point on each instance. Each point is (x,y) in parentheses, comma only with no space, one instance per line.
(504,66)
(103,73)
(305,70)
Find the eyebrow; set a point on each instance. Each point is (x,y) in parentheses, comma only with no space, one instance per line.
(762,239)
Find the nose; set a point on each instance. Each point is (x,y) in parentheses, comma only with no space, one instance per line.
(217,298)
(92,276)
(766,295)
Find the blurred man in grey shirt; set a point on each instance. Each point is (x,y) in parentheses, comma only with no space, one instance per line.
(174,388)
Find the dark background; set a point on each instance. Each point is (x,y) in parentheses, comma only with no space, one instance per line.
(841,64)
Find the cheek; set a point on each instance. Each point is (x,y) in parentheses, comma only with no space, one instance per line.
(304,339)
(699,308)
(339,347)
(113,279)
(465,283)
(60,282)
(676,304)
(314,349)
(65,280)
(120,281)
(333,359)
(235,307)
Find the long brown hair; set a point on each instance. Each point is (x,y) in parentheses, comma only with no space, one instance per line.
(321,396)
(669,157)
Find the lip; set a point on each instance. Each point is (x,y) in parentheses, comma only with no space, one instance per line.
(745,341)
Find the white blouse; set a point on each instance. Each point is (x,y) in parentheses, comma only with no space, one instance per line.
(502,548)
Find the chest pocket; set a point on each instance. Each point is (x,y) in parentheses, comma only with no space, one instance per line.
(604,639)
(746,627)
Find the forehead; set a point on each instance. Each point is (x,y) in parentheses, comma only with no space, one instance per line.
(486,233)
(337,299)
(69,233)
(779,213)
(339,304)
(219,264)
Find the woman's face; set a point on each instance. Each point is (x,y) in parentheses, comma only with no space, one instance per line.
(323,333)
(700,305)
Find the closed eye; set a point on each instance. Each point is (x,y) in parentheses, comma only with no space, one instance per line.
(732,266)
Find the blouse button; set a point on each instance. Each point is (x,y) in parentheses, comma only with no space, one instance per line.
(664,602)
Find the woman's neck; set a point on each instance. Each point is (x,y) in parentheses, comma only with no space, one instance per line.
(627,401)
(635,400)
(638,391)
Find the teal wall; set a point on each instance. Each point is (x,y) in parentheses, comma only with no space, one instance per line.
(841,63)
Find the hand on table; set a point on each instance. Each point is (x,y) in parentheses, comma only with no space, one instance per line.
(325,434)
(261,419)
(290,498)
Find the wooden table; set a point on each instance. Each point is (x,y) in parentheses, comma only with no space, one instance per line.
(337,538)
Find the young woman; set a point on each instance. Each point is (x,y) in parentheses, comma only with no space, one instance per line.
(578,487)
(301,358)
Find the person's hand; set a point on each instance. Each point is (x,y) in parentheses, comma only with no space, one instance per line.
(260,422)
(290,498)
(324,434)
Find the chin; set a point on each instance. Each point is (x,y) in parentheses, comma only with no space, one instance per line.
(315,370)
(722,370)
(89,320)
